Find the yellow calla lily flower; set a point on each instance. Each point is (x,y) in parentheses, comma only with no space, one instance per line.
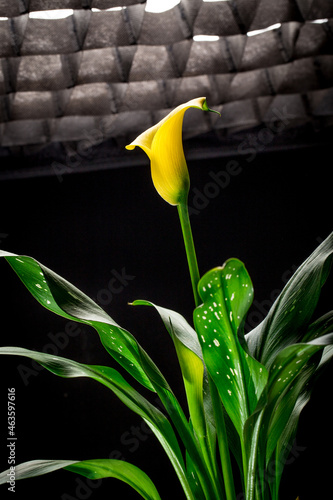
(164,147)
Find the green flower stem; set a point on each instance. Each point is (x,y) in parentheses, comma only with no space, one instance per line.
(223,443)
(189,248)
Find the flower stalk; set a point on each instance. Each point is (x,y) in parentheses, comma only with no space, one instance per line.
(164,147)
(190,249)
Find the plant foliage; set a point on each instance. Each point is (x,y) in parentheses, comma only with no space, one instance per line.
(245,392)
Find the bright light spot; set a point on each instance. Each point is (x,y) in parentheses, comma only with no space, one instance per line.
(158,6)
(3,18)
(258,32)
(205,38)
(94,9)
(319,21)
(51,14)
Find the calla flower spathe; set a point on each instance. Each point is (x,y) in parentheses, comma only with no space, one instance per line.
(164,147)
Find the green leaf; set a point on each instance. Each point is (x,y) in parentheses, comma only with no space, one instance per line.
(284,427)
(61,297)
(264,428)
(190,359)
(320,327)
(92,469)
(299,392)
(176,325)
(290,315)
(107,376)
(289,409)
(195,380)
(64,299)
(126,393)
(194,480)
(227,294)
(130,474)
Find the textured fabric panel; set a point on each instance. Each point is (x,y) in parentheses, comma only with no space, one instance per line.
(85,29)
(113,67)
(289,110)
(37,75)
(189,58)
(13,8)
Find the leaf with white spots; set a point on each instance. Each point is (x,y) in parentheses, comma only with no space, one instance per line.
(62,298)
(291,371)
(291,313)
(298,396)
(287,377)
(227,294)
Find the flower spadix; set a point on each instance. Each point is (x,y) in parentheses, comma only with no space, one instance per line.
(164,147)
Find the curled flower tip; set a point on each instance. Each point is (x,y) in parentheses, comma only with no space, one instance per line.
(163,145)
(206,108)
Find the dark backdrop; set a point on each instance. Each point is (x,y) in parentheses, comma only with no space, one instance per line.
(270,210)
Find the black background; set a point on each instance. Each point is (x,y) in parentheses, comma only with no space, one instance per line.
(271,213)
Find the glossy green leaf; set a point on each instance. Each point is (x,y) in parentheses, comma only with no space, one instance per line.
(286,406)
(126,472)
(320,327)
(291,313)
(64,299)
(190,442)
(299,392)
(263,430)
(190,359)
(61,297)
(193,479)
(92,469)
(107,376)
(287,367)
(227,294)
(126,393)
(177,325)
(283,428)
(289,410)
(196,383)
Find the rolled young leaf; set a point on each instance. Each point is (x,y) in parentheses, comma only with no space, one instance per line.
(92,469)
